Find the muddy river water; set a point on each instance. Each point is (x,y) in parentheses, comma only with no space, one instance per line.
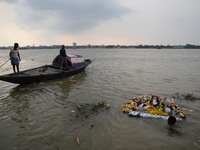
(41,116)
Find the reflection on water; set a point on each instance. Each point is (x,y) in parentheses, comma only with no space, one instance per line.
(31,116)
(36,109)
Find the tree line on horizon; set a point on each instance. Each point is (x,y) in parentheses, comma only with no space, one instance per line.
(187,46)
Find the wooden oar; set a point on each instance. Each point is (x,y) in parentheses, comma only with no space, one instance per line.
(5,62)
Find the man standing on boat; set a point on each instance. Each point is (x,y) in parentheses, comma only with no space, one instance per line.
(63,58)
(15,57)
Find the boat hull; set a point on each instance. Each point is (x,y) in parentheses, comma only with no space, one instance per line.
(41,74)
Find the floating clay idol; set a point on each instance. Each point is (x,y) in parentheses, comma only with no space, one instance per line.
(154,102)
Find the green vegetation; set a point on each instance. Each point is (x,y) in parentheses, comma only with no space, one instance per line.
(189,46)
(190,97)
(86,110)
(186,97)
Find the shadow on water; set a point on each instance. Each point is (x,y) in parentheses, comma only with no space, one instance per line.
(32,113)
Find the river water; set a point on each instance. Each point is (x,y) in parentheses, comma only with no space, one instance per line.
(39,116)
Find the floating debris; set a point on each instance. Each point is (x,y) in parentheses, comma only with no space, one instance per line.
(108,106)
(77,140)
(190,97)
(87,110)
(186,97)
(191,111)
(82,112)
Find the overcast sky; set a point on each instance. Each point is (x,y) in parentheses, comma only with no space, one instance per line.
(97,22)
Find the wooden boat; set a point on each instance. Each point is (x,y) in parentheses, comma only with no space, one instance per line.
(76,64)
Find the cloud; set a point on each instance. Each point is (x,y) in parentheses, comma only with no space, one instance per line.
(100,21)
(9,1)
(66,16)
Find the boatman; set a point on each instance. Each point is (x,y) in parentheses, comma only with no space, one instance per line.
(63,57)
(15,58)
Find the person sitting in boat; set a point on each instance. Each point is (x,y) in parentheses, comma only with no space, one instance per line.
(63,58)
(154,102)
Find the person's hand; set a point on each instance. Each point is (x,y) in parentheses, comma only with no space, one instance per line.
(19,59)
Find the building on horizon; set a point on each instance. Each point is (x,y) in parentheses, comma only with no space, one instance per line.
(89,46)
(74,45)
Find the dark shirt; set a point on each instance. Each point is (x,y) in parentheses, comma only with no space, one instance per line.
(63,53)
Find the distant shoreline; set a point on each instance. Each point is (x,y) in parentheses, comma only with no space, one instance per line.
(187,46)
